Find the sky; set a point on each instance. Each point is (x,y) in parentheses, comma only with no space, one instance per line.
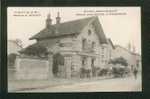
(121,24)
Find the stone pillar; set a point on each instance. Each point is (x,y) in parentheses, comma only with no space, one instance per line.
(68,66)
(50,61)
(89,65)
(17,63)
(76,63)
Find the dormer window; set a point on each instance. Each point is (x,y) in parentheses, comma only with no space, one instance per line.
(84,42)
(89,32)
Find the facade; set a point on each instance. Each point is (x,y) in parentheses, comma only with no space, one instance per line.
(106,52)
(76,47)
(111,49)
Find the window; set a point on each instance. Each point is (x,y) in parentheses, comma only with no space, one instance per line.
(84,43)
(61,45)
(83,61)
(72,68)
(58,41)
(102,50)
(93,45)
(89,32)
(92,61)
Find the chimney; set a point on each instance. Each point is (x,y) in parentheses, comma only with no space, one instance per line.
(58,18)
(48,21)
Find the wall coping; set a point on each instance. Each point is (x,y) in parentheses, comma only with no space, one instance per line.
(30,57)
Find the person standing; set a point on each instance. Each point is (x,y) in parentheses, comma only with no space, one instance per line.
(135,72)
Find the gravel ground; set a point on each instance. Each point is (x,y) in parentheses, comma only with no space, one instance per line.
(77,85)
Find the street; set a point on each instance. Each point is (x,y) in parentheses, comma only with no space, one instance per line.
(106,85)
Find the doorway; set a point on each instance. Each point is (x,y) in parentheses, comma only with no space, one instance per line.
(58,65)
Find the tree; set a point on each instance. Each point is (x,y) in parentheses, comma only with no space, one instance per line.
(119,60)
(35,50)
(19,42)
(11,59)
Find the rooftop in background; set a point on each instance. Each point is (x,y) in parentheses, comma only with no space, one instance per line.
(127,50)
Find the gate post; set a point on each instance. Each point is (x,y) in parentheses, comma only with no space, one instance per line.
(50,61)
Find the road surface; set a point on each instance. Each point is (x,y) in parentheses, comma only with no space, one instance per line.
(106,85)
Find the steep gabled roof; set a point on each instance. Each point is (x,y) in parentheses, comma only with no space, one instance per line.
(70,28)
(111,43)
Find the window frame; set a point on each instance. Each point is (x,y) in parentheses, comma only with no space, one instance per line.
(89,32)
(84,41)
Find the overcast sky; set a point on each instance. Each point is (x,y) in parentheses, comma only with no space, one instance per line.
(121,24)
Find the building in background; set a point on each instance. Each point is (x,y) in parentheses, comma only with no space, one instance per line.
(13,46)
(133,59)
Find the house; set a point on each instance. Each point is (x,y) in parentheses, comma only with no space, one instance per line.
(78,43)
(133,59)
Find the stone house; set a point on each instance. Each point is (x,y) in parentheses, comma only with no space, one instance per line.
(74,47)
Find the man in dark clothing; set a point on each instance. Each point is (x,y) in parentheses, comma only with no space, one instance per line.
(135,71)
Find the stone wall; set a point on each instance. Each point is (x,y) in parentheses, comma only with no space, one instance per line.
(11,73)
(31,68)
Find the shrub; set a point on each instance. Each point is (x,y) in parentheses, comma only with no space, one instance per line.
(85,72)
(120,72)
(103,72)
(35,50)
(11,59)
(119,60)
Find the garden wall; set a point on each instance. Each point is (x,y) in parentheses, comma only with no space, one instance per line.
(31,68)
